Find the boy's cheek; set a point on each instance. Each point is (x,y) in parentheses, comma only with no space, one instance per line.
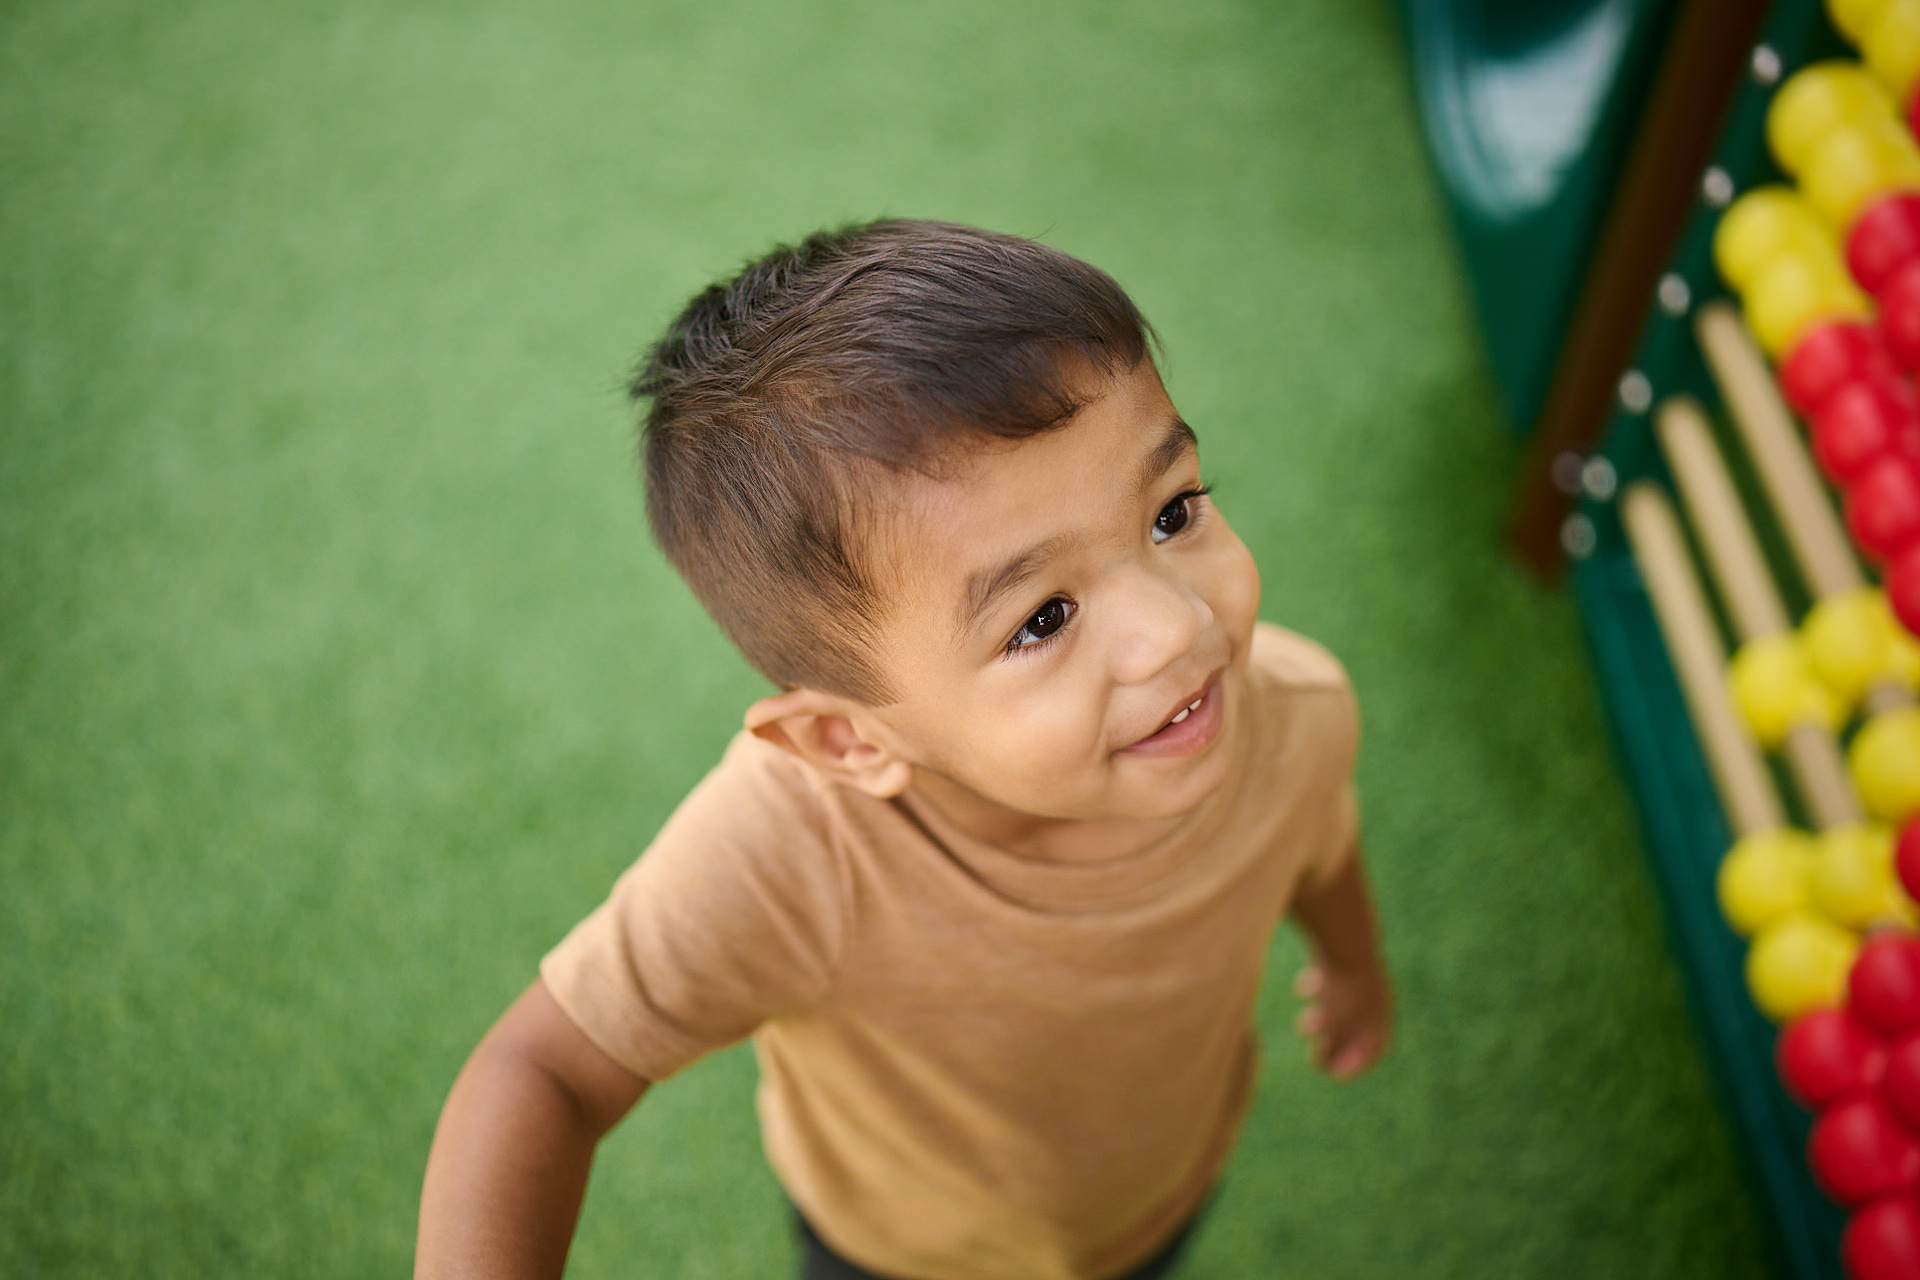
(1009,736)
(1239,593)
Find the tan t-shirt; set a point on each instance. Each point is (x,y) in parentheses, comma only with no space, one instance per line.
(975,1064)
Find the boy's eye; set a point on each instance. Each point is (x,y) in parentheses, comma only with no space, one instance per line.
(1175,516)
(1171,520)
(1044,624)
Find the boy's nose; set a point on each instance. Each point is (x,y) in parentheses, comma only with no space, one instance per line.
(1159,622)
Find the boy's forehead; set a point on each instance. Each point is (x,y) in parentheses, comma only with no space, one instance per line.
(1008,506)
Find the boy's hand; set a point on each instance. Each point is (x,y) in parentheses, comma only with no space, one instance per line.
(1349,1015)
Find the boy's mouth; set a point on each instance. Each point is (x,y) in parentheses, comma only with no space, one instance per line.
(1191,725)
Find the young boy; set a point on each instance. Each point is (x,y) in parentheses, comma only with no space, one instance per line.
(990,879)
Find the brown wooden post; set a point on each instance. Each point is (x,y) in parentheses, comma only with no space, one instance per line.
(1699,71)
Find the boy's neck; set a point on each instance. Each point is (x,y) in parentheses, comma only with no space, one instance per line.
(1036,836)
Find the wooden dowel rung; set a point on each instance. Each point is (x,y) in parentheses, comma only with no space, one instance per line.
(1813,756)
(1799,498)
(1733,553)
(1699,660)
(1820,774)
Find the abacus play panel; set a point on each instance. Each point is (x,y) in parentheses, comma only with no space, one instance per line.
(1772,392)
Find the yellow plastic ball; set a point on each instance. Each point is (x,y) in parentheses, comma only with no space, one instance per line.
(1815,102)
(1846,643)
(1853,880)
(1902,646)
(1774,689)
(1760,225)
(1792,290)
(1891,45)
(1799,964)
(1852,18)
(1857,164)
(1885,760)
(1763,878)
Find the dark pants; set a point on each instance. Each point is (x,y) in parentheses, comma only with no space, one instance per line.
(818,1262)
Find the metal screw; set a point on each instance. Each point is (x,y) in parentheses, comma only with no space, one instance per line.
(1599,479)
(1566,472)
(1577,537)
(1717,186)
(1765,64)
(1675,297)
(1636,393)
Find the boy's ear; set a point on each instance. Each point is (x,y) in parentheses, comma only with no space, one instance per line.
(817,727)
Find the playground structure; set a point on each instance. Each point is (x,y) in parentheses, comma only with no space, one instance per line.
(1764,388)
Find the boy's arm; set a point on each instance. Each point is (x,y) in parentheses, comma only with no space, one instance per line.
(516,1138)
(1350,1009)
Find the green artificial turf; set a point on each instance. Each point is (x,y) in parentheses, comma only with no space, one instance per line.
(338,679)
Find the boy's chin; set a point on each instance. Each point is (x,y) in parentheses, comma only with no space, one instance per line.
(1142,789)
(1159,794)
(1172,800)
(1121,804)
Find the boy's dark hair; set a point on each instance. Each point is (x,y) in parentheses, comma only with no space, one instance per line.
(780,398)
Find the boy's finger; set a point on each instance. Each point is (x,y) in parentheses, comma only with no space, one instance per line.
(1307,983)
(1309,1021)
(1354,1058)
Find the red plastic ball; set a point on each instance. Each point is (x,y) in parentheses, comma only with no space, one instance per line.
(1828,1054)
(1900,314)
(1906,858)
(1883,990)
(1883,506)
(1859,1149)
(1885,237)
(1882,1241)
(1903,596)
(1859,422)
(1829,356)
(1900,1081)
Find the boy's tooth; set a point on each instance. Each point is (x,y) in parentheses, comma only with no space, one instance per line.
(1184,713)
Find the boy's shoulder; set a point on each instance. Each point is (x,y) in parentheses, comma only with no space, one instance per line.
(1289,661)
(1303,704)
(759,815)
(735,911)
(755,783)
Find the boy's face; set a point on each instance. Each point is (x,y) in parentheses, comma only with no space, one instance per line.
(1060,603)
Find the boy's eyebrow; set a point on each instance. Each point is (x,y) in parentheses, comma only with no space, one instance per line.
(1180,439)
(988,585)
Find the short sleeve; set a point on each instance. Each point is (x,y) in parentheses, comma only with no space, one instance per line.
(732,916)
